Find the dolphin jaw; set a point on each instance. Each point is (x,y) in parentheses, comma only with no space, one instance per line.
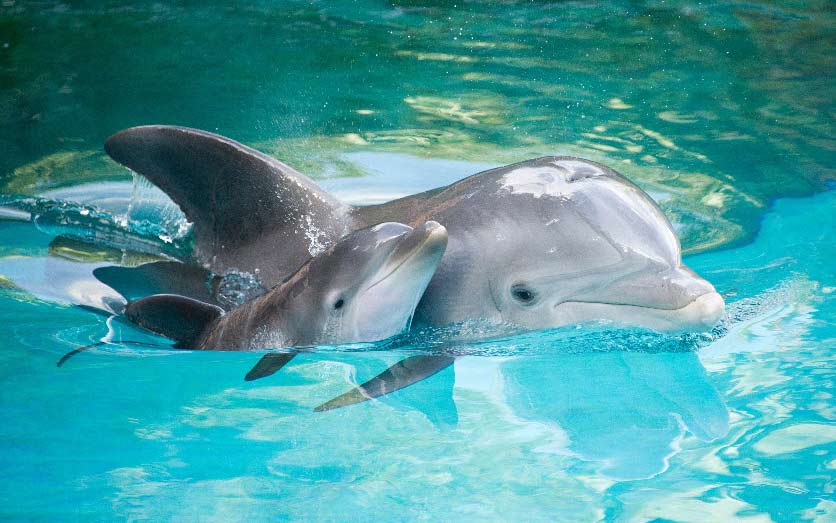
(701,314)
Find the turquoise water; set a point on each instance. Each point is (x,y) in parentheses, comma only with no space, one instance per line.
(584,426)
(723,113)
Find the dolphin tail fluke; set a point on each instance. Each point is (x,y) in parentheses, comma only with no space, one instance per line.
(162,277)
(402,374)
(177,317)
(269,364)
(240,200)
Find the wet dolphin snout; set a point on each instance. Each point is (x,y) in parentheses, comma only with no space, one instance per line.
(672,299)
(707,310)
(692,300)
(430,239)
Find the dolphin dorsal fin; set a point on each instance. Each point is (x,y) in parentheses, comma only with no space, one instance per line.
(177,317)
(243,204)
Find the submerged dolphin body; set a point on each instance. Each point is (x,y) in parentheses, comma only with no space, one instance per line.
(363,288)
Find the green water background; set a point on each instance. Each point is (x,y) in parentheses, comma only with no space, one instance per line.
(718,107)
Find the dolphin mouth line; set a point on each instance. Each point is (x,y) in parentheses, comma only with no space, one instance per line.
(634,306)
(700,314)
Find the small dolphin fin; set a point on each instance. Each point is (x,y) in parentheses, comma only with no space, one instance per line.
(177,317)
(162,277)
(79,350)
(402,374)
(242,202)
(73,352)
(269,364)
(434,399)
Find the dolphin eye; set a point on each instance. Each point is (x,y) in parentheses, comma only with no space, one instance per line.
(339,304)
(523,294)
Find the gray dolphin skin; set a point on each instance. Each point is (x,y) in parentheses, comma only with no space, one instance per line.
(363,288)
(543,243)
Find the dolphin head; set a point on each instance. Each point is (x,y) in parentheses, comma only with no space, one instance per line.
(366,286)
(573,241)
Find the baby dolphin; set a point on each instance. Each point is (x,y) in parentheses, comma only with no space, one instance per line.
(363,288)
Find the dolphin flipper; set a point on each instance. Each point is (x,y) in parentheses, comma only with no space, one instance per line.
(402,374)
(243,203)
(177,317)
(162,277)
(269,364)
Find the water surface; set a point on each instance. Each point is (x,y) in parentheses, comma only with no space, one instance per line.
(722,112)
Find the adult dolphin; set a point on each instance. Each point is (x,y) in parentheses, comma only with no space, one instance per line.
(542,243)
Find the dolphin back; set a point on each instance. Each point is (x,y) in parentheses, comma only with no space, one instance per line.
(243,204)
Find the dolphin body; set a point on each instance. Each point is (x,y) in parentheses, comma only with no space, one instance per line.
(538,244)
(363,288)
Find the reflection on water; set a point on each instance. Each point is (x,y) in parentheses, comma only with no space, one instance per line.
(625,411)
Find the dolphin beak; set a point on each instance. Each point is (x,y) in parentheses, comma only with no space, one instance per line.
(431,235)
(675,300)
(696,304)
(389,303)
(416,252)
(707,307)
(427,241)
(704,312)
(434,237)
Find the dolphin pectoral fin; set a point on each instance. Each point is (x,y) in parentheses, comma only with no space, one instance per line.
(161,277)
(236,197)
(402,374)
(177,317)
(269,364)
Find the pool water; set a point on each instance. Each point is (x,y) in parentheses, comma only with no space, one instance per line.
(736,424)
(723,113)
